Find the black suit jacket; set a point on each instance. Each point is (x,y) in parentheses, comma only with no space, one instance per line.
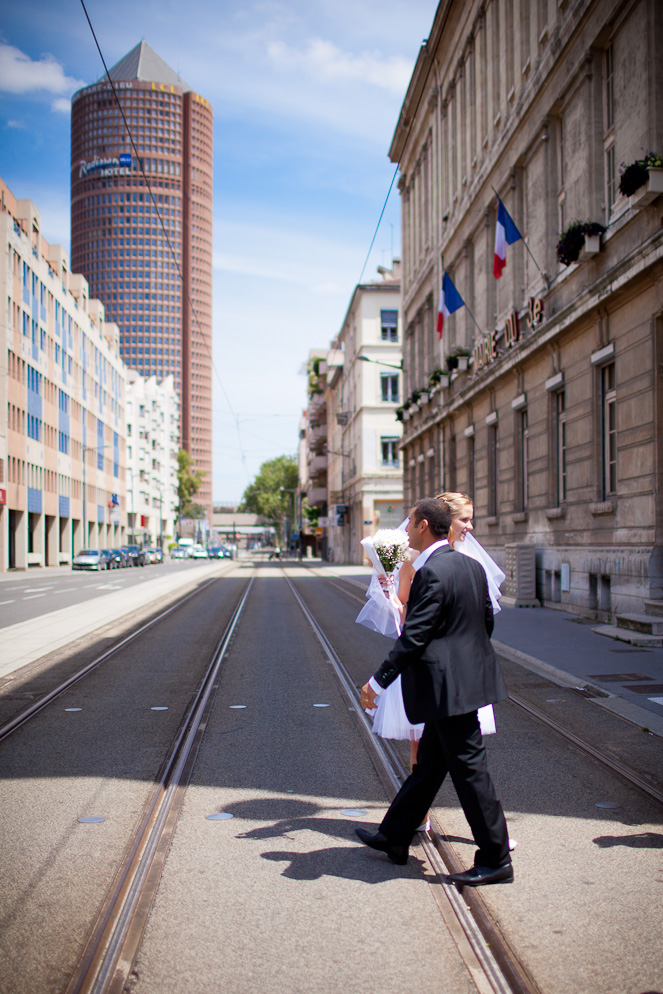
(444,654)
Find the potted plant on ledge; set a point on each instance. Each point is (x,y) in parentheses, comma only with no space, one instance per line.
(642,180)
(459,358)
(579,236)
(414,401)
(438,378)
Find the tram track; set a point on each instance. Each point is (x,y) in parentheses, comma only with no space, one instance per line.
(488,957)
(621,770)
(25,714)
(106,962)
(108,957)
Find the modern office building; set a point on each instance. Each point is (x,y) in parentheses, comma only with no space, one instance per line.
(141,228)
(544,400)
(62,396)
(152,441)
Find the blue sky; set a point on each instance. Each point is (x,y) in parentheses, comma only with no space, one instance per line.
(306,95)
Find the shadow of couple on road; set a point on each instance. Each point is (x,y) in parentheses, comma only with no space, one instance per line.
(285,818)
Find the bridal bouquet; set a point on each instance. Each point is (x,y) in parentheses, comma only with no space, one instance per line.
(386,550)
(391,547)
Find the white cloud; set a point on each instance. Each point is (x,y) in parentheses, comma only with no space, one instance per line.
(62,105)
(18,125)
(20,74)
(325,62)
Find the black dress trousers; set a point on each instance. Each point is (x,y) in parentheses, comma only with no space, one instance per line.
(452,745)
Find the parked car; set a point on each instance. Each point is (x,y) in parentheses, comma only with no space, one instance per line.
(137,555)
(121,558)
(199,552)
(216,552)
(109,558)
(89,559)
(150,555)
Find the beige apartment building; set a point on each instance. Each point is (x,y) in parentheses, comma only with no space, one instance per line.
(62,396)
(552,417)
(355,388)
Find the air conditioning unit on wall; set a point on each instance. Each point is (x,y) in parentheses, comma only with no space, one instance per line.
(519,587)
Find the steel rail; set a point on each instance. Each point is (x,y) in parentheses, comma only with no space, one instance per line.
(626,773)
(491,957)
(25,714)
(630,776)
(107,960)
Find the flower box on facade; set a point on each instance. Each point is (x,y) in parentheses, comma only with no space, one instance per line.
(425,397)
(414,408)
(649,191)
(592,245)
(463,363)
(406,415)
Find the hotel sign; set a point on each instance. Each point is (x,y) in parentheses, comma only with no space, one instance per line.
(488,350)
(113,166)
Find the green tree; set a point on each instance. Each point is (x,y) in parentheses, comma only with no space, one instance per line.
(270,494)
(188,484)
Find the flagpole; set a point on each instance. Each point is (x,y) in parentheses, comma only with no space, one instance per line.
(543,275)
(464,302)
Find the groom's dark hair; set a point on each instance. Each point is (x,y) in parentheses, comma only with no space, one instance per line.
(436,512)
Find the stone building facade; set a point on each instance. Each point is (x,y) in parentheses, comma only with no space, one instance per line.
(62,397)
(553,416)
(353,467)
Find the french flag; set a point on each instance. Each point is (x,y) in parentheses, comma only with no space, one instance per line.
(506,233)
(450,301)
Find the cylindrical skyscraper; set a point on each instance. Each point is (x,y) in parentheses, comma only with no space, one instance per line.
(156,286)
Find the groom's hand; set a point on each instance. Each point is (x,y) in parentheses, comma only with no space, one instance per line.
(367,698)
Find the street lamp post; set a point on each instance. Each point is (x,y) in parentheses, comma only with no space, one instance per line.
(86,449)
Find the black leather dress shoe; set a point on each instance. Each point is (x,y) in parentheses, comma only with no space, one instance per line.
(479,875)
(397,854)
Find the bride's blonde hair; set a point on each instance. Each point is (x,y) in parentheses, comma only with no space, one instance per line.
(456,501)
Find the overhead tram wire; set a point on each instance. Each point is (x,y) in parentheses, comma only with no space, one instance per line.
(139,160)
(407,137)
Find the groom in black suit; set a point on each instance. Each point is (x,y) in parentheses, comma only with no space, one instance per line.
(448,670)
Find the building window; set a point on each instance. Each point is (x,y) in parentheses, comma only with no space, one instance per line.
(389,387)
(452,465)
(492,472)
(609,89)
(608,431)
(560,448)
(522,455)
(389,325)
(389,448)
(610,178)
(471,472)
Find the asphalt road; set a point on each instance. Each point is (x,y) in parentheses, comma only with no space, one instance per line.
(29,595)
(279,897)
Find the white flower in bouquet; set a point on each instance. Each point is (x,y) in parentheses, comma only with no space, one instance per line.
(392,548)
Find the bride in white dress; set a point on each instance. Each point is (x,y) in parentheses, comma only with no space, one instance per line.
(387,616)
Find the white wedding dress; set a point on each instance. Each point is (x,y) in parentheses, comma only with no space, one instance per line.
(380,614)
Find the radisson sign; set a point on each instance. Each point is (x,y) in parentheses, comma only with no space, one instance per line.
(107,167)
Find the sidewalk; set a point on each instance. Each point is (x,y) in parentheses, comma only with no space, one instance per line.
(563,647)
